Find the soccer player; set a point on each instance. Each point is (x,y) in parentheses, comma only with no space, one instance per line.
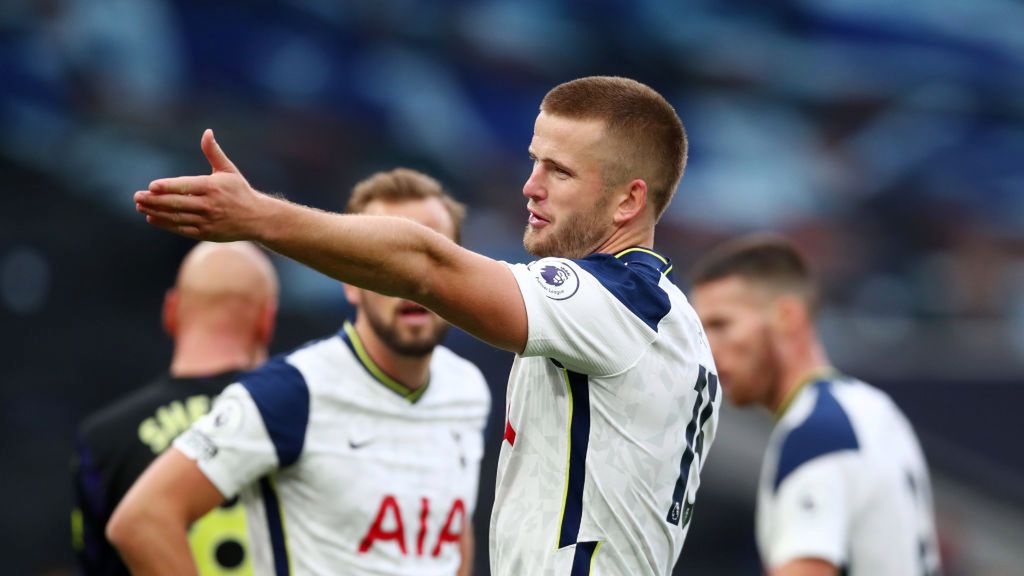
(355,454)
(613,396)
(220,314)
(844,486)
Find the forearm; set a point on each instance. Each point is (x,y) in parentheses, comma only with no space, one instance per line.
(398,257)
(151,543)
(466,546)
(389,255)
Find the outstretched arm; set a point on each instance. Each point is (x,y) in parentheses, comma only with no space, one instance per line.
(388,255)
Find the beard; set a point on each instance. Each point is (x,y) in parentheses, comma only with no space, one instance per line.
(577,235)
(762,382)
(411,345)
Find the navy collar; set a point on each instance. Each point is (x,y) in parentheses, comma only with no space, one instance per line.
(648,257)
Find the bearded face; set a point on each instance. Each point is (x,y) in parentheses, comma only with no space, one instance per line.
(741,338)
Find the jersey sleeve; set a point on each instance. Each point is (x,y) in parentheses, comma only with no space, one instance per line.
(593,317)
(255,426)
(89,514)
(810,514)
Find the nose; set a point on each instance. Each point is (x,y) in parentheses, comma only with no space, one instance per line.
(534,189)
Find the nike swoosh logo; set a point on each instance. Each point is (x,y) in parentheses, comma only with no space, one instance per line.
(357,445)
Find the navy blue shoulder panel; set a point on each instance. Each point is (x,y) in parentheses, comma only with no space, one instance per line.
(635,286)
(827,429)
(281,394)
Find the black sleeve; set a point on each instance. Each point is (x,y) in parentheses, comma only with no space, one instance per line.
(90,515)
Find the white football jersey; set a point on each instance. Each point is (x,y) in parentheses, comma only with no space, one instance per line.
(612,408)
(343,470)
(844,480)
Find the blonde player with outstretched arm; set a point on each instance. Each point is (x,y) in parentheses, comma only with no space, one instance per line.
(613,396)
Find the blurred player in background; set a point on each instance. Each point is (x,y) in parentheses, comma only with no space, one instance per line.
(221,316)
(612,399)
(355,454)
(844,486)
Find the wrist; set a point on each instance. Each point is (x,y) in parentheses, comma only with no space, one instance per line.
(268,212)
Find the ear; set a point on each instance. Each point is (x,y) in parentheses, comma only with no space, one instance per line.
(632,203)
(169,313)
(791,314)
(352,294)
(267,322)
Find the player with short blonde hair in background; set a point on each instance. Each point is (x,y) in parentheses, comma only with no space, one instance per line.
(844,485)
(613,395)
(220,315)
(355,454)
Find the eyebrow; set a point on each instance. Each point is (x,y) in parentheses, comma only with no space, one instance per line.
(552,161)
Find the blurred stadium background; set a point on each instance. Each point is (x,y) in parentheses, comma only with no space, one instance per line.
(886,137)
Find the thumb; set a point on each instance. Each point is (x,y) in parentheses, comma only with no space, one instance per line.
(217,158)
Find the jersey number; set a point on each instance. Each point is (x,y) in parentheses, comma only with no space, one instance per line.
(682,507)
(927,549)
(389,513)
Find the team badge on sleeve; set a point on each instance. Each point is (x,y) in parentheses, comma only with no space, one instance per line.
(556,278)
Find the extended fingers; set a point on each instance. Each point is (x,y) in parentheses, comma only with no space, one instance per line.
(189,230)
(190,185)
(177,217)
(181,203)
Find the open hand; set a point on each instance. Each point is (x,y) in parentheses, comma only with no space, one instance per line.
(221,207)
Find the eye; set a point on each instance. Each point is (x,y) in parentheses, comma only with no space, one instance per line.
(715,324)
(562,174)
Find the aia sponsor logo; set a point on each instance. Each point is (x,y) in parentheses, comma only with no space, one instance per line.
(388,528)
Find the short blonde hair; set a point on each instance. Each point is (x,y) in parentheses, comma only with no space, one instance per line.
(402,184)
(646,130)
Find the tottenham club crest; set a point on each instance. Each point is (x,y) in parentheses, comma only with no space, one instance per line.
(556,278)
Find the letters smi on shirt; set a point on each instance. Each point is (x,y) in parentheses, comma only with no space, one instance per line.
(391,514)
(170,420)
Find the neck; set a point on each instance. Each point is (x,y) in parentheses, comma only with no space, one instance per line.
(627,237)
(201,354)
(413,372)
(810,364)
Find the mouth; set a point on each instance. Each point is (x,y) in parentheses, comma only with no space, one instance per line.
(535,220)
(413,312)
